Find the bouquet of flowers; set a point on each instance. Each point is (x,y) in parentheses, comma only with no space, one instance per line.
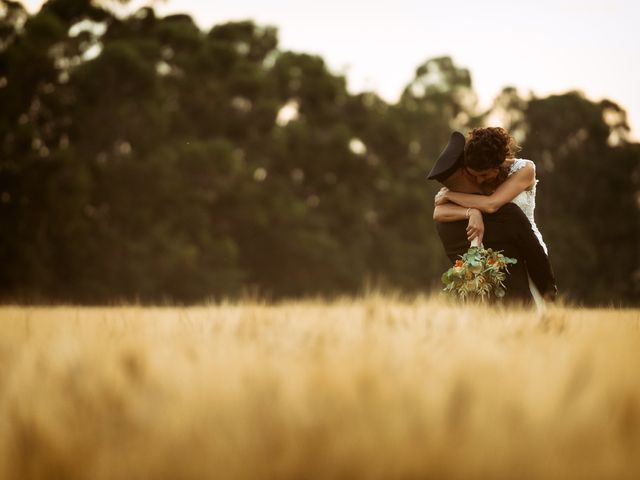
(478,275)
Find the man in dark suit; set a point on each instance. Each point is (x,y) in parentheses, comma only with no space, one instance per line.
(508,230)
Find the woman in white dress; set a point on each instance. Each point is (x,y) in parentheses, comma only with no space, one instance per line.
(489,157)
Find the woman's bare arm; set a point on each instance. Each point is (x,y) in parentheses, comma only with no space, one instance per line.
(507,191)
(450,212)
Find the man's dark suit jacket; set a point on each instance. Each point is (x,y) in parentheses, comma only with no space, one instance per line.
(508,230)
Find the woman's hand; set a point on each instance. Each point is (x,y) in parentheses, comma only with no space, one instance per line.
(441,196)
(475,228)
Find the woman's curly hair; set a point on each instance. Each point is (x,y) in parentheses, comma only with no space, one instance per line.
(489,148)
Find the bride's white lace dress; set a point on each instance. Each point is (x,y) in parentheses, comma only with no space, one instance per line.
(526,200)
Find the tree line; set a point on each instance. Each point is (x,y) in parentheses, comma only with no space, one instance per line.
(142,158)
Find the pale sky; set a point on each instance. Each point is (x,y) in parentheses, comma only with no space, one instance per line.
(543,46)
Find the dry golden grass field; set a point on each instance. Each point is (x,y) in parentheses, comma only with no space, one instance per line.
(379,387)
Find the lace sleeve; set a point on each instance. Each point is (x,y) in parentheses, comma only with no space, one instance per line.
(519,163)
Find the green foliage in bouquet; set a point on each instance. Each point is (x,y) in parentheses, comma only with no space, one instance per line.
(479,275)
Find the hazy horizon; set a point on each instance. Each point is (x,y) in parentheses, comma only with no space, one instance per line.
(540,47)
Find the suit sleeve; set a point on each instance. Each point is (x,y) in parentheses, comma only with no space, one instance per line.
(453,236)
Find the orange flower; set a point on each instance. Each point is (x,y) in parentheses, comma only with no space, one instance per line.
(458,263)
(491,261)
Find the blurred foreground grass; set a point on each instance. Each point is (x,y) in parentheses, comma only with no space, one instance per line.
(372,388)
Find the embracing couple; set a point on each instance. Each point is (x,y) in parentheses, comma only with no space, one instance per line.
(489,198)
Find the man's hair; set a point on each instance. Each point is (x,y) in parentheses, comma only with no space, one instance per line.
(489,148)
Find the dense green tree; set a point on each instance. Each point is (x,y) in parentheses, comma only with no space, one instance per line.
(588,196)
(143,158)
